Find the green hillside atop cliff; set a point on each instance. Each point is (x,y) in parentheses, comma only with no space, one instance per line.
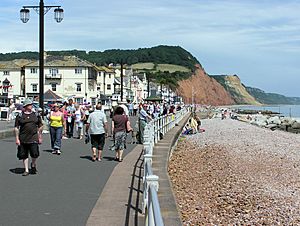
(271,98)
(158,55)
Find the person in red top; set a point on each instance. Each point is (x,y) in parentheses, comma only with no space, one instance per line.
(28,131)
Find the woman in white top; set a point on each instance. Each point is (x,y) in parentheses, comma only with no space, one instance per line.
(79,118)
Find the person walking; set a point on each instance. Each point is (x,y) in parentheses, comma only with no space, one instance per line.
(79,118)
(130,107)
(28,132)
(71,118)
(143,117)
(120,125)
(11,109)
(97,128)
(65,113)
(57,122)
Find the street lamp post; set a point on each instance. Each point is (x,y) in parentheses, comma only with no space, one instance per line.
(122,80)
(58,16)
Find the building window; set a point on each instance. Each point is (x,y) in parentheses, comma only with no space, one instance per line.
(34,87)
(53,86)
(108,86)
(98,88)
(93,100)
(78,87)
(78,70)
(5,72)
(79,100)
(109,75)
(53,71)
(33,70)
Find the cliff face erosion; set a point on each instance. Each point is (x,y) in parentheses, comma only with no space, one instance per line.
(203,89)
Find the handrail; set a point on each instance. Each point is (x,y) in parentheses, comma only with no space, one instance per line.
(154,131)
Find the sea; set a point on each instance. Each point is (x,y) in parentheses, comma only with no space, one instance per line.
(284,110)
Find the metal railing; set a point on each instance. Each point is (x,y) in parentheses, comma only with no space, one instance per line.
(155,131)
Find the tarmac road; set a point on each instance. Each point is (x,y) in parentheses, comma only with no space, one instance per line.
(63,192)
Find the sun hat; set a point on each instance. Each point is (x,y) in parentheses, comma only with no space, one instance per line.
(27,102)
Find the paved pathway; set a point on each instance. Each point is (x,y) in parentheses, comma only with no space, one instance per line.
(6,125)
(63,192)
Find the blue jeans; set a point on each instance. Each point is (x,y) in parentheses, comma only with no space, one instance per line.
(55,135)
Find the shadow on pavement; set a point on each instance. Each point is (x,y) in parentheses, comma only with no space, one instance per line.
(134,202)
(17,170)
(108,158)
(48,150)
(87,157)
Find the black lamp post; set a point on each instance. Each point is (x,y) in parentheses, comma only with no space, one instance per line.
(122,80)
(58,16)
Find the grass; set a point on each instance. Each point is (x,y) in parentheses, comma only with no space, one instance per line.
(141,66)
(171,68)
(160,67)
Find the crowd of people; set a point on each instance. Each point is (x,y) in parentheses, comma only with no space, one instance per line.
(71,120)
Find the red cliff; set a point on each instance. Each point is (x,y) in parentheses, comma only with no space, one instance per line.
(206,90)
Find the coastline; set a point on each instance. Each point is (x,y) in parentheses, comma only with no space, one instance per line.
(237,173)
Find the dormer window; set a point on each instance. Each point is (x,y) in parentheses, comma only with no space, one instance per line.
(33,70)
(78,70)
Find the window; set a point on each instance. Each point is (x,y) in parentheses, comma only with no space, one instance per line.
(108,86)
(5,72)
(78,70)
(79,100)
(98,88)
(34,87)
(93,100)
(33,70)
(53,86)
(53,71)
(78,87)
(109,75)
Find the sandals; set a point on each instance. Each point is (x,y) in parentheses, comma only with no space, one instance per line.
(25,174)
(94,158)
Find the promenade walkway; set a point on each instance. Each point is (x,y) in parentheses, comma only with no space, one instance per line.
(63,192)
(70,189)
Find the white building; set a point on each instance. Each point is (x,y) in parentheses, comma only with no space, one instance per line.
(11,79)
(67,76)
(105,81)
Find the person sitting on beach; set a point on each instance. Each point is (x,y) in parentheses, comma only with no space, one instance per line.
(187,129)
(197,118)
(194,125)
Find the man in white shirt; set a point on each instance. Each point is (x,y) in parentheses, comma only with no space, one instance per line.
(97,127)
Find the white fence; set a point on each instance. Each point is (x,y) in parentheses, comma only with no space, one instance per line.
(154,131)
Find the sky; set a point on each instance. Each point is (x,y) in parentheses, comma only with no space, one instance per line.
(258,40)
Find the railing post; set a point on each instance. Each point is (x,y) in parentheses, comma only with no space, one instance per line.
(152,180)
(147,160)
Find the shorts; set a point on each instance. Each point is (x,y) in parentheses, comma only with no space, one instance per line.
(120,139)
(98,141)
(25,149)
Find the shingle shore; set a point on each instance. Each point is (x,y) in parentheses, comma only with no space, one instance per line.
(237,174)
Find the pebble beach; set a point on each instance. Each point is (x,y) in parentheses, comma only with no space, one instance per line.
(235,173)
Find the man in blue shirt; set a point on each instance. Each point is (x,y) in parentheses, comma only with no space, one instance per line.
(143,117)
